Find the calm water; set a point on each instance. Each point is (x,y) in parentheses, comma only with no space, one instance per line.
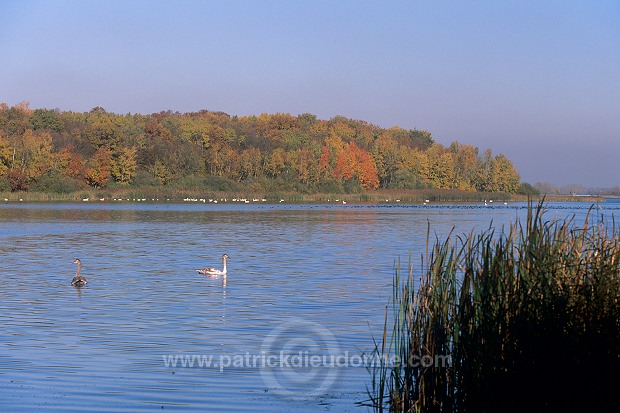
(304,283)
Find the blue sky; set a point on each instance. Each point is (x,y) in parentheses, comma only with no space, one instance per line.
(536,80)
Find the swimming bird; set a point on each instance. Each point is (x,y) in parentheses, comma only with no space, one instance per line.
(215,271)
(78,280)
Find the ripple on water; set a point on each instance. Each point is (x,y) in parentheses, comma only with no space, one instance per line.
(102,347)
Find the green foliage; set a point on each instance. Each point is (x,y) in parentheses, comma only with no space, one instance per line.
(330,187)
(221,184)
(5,186)
(56,183)
(46,119)
(144,178)
(527,189)
(421,139)
(193,182)
(404,179)
(352,186)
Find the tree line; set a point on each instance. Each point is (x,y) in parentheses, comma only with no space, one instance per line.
(46,149)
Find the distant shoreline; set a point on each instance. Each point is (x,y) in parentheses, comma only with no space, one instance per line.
(207,196)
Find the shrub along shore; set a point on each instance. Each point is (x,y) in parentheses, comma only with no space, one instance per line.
(526,318)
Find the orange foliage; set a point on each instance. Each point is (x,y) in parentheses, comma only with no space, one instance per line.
(352,162)
(69,163)
(368,175)
(99,167)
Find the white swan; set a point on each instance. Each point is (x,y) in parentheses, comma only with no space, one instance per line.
(215,271)
(78,280)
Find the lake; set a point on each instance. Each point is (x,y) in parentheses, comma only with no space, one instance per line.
(288,330)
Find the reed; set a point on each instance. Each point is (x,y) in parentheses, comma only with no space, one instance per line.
(521,319)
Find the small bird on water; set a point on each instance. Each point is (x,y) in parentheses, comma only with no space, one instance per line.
(78,280)
(215,271)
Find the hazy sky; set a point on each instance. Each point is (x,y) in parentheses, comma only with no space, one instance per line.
(536,80)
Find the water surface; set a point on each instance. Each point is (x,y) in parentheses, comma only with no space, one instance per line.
(313,279)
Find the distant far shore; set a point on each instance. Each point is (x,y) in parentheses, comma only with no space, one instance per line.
(158,194)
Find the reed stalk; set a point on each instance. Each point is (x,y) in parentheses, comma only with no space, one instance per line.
(527,318)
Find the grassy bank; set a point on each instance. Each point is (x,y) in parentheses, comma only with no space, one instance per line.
(163,193)
(524,319)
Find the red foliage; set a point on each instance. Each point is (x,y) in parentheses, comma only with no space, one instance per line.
(17,181)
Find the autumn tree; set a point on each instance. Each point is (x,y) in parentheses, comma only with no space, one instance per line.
(505,175)
(33,151)
(413,170)
(303,162)
(196,131)
(496,174)
(6,154)
(251,162)
(161,172)
(220,159)
(348,162)
(388,158)
(366,170)
(14,120)
(342,127)
(441,171)
(275,163)
(17,180)
(466,163)
(334,163)
(103,130)
(99,168)
(123,166)
(344,168)
(68,163)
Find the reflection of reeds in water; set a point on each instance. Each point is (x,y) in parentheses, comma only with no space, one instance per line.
(529,319)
